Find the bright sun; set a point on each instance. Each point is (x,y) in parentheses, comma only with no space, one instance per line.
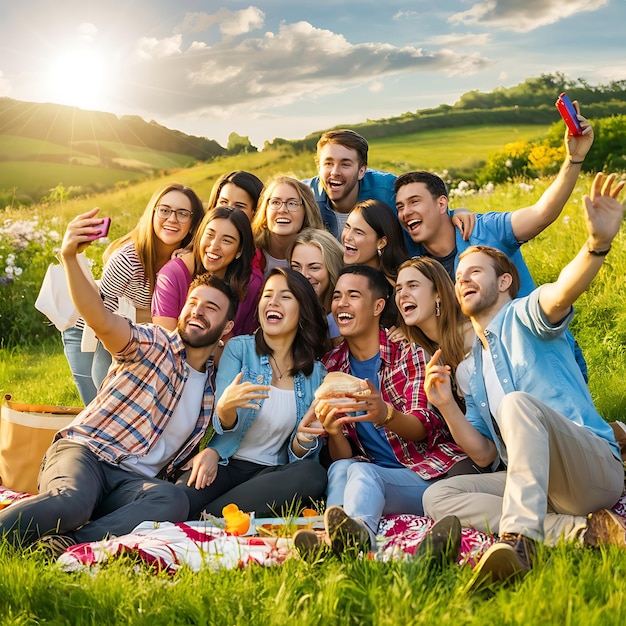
(78,78)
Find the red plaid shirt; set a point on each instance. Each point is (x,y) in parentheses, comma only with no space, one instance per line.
(401,380)
(137,398)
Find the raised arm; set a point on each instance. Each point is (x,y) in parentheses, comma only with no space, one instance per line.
(530,221)
(604,214)
(113,330)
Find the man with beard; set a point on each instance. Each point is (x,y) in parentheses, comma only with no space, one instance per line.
(528,406)
(98,478)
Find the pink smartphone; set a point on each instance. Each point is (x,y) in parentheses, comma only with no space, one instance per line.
(104,229)
(568,113)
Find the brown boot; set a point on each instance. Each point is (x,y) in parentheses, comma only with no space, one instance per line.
(605,528)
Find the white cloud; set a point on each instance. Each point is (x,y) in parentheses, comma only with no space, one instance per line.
(406,15)
(231,23)
(459,40)
(152,48)
(277,68)
(376,86)
(241,22)
(523,15)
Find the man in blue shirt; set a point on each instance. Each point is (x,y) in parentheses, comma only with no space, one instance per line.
(344,179)
(422,205)
(528,405)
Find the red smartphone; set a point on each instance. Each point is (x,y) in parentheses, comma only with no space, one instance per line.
(104,229)
(568,113)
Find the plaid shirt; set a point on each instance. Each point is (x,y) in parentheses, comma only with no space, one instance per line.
(401,379)
(137,398)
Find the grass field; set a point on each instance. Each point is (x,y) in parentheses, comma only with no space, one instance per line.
(447,148)
(433,149)
(569,586)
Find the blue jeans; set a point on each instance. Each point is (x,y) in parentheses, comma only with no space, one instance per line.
(371,491)
(80,363)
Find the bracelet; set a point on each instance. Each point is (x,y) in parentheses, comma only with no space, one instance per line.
(388,418)
(576,162)
(307,443)
(598,252)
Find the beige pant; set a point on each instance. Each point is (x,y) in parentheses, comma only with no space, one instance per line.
(557,473)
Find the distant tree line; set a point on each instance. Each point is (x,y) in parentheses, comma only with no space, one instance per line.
(530,102)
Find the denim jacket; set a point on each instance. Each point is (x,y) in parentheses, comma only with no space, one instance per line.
(240,356)
(531,355)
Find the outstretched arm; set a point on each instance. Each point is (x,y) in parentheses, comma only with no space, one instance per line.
(113,330)
(604,215)
(530,221)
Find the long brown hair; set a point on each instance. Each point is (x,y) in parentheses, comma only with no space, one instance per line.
(451,323)
(143,237)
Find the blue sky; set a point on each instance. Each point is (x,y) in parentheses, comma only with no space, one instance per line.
(272,68)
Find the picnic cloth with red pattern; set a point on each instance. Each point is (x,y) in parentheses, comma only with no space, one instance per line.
(200,545)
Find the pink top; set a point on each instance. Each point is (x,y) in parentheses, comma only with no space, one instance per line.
(172,284)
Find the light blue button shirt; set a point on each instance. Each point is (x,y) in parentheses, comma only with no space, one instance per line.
(531,355)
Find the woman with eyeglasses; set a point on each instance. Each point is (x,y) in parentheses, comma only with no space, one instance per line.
(223,246)
(168,223)
(285,208)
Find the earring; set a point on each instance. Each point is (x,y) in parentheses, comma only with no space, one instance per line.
(380,252)
(220,344)
(437,308)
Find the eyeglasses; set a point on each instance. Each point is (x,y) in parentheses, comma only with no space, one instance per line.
(276,204)
(182,215)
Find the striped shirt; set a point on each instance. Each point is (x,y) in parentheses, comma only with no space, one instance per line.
(138,397)
(124,275)
(401,374)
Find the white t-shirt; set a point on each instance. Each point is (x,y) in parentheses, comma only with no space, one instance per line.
(177,431)
(265,442)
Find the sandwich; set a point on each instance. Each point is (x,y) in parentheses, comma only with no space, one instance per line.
(340,385)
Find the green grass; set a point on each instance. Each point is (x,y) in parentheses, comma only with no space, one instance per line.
(19,174)
(447,148)
(38,375)
(569,587)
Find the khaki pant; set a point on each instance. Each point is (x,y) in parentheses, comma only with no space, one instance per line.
(557,473)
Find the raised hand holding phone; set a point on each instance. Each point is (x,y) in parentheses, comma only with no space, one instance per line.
(568,112)
(103,230)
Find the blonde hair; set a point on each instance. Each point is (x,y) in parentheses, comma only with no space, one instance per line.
(332,255)
(312,216)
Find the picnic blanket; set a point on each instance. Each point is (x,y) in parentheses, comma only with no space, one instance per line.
(200,545)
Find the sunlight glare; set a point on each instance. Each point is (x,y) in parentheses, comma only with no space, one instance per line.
(78,78)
